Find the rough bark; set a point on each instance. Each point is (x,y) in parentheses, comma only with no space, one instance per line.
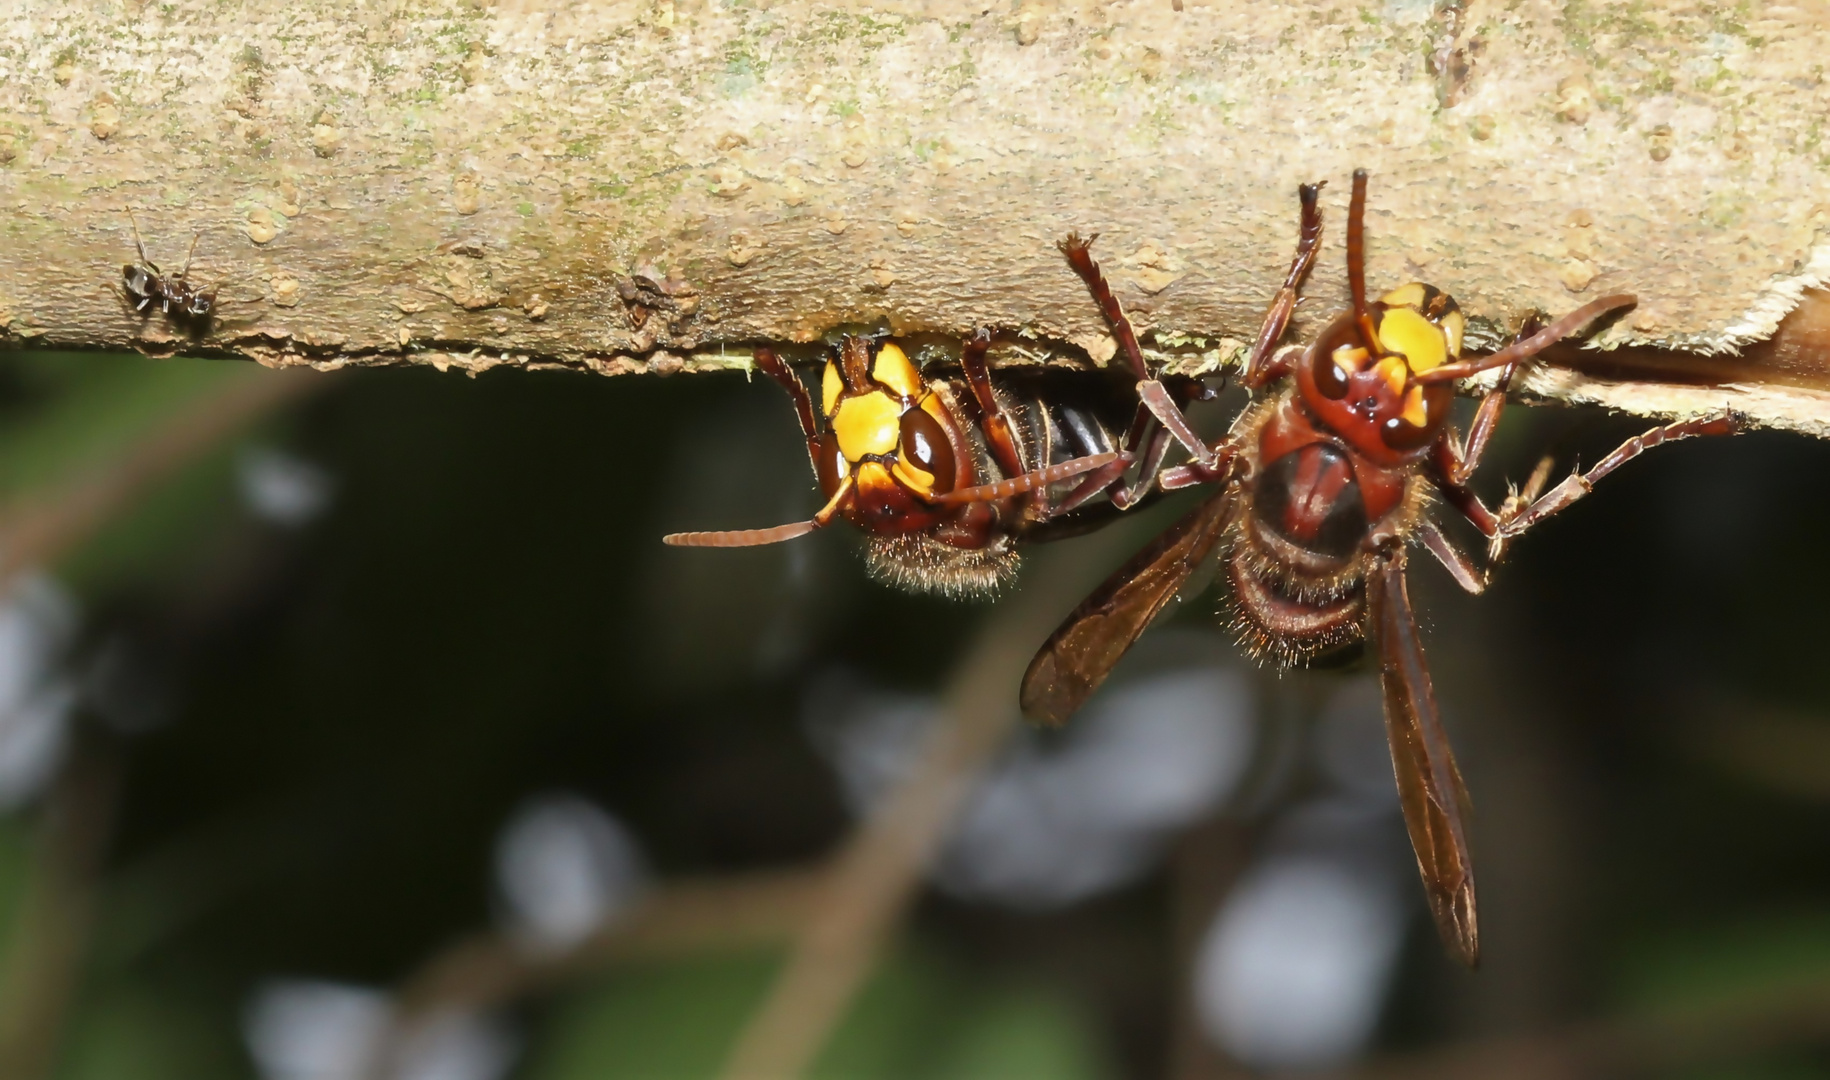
(654,184)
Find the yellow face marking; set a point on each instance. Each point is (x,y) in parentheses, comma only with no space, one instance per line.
(1349,359)
(933,407)
(867,424)
(1414,413)
(1404,330)
(914,478)
(1452,326)
(872,476)
(1410,296)
(831,384)
(1393,370)
(893,370)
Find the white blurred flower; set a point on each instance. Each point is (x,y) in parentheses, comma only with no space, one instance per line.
(33,737)
(564,867)
(870,736)
(1057,824)
(1159,752)
(1293,972)
(301,1029)
(283,488)
(306,1029)
(1065,818)
(38,619)
(455,1046)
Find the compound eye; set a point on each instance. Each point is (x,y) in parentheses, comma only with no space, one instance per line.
(925,447)
(1421,418)
(200,305)
(830,466)
(1400,434)
(1329,378)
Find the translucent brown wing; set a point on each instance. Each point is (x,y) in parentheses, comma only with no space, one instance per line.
(1080,654)
(1429,785)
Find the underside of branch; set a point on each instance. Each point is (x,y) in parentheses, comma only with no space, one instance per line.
(656,185)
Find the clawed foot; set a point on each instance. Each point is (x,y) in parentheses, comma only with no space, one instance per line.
(1514,514)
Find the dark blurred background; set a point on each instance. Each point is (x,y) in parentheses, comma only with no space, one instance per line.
(388,703)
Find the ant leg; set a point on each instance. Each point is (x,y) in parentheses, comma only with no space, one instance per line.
(771,365)
(1259,366)
(998,436)
(1517,517)
(1453,559)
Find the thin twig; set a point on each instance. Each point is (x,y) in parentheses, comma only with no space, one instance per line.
(1207,864)
(875,875)
(838,913)
(50,934)
(39,528)
(1736,1025)
(679,917)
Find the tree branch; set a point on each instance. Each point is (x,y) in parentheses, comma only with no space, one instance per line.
(624,186)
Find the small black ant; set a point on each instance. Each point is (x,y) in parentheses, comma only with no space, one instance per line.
(146,285)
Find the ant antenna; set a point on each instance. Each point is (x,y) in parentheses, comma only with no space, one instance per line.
(136,239)
(196,236)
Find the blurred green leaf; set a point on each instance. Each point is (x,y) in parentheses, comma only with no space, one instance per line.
(921,1018)
(1706,964)
(15,863)
(86,407)
(64,416)
(163,527)
(1773,1070)
(128,1032)
(676,1020)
